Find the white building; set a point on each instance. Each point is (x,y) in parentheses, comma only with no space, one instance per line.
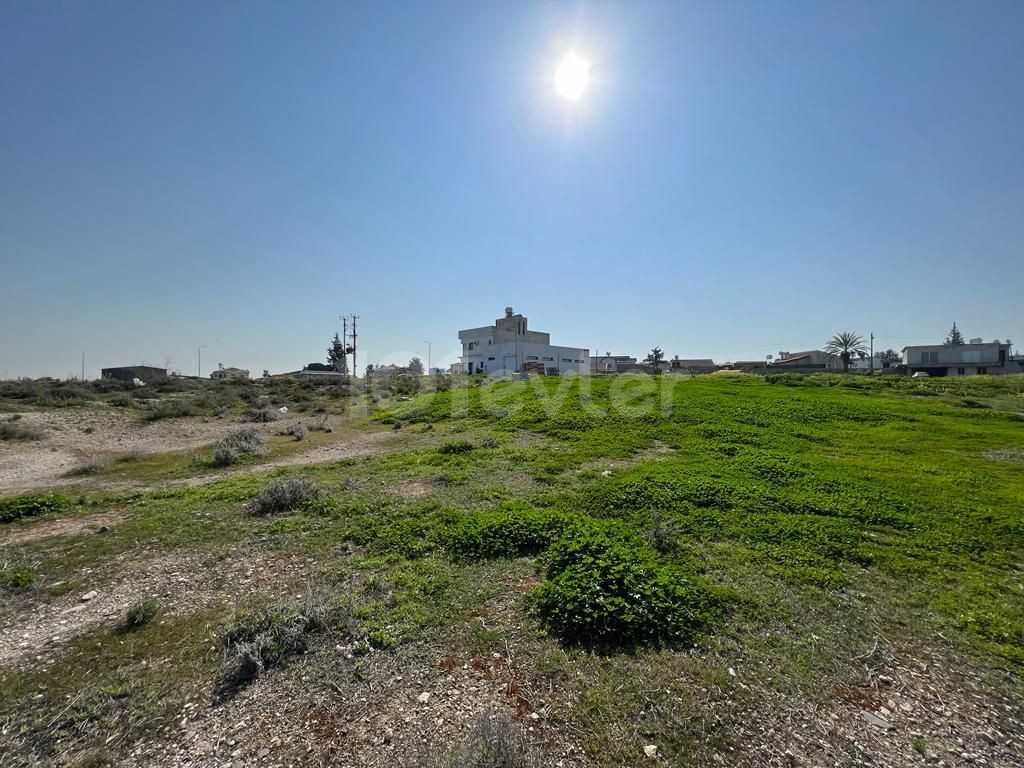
(961,359)
(509,346)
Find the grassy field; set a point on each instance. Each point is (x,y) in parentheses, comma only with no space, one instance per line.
(608,571)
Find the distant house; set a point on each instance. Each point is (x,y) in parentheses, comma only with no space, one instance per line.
(610,363)
(866,363)
(312,374)
(692,365)
(229,373)
(455,367)
(509,346)
(129,373)
(812,358)
(960,359)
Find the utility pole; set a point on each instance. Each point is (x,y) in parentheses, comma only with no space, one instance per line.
(355,368)
(872,364)
(428,356)
(344,339)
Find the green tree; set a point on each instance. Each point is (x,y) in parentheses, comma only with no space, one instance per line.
(416,367)
(889,358)
(336,357)
(654,357)
(845,345)
(954,337)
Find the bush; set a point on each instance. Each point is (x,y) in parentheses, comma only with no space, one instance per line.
(246,442)
(263,639)
(263,414)
(140,614)
(455,446)
(604,593)
(14,429)
(171,409)
(93,467)
(663,534)
(16,574)
(30,505)
(284,495)
(496,740)
(297,431)
(512,531)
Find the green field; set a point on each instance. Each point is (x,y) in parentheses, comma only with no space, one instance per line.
(662,557)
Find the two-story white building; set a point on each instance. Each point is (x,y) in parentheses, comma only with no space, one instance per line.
(960,359)
(509,346)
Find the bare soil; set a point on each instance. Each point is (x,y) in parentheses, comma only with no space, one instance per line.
(76,436)
(184,582)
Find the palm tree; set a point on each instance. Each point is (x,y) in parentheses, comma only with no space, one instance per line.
(846,345)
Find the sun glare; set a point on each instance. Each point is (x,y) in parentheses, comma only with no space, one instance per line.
(572,77)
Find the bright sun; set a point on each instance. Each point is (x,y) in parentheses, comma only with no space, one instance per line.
(572,77)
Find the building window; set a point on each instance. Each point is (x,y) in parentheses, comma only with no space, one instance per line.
(490,358)
(983,371)
(531,357)
(550,358)
(960,371)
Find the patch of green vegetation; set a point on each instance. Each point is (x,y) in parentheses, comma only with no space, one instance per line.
(602,592)
(30,505)
(16,573)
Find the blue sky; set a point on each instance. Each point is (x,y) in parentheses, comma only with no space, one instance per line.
(739,178)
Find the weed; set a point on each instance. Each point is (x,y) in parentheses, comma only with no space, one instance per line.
(257,641)
(495,740)
(243,443)
(455,447)
(15,430)
(285,495)
(170,409)
(603,593)
(30,505)
(16,574)
(93,467)
(140,614)
(263,414)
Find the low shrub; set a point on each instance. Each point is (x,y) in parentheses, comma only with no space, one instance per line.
(93,467)
(170,409)
(30,505)
(263,414)
(496,740)
(285,495)
(16,575)
(455,446)
(258,641)
(16,430)
(297,431)
(511,531)
(664,534)
(140,614)
(603,593)
(243,443)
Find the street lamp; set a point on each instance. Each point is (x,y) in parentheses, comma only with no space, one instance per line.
(428,356)
(199,361)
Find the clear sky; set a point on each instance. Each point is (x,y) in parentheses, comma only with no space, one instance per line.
(739,178)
